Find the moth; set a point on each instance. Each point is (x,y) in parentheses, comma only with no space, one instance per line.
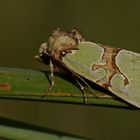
(114,69)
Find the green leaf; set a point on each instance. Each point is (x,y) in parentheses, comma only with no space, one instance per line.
(10,129)
(33,85)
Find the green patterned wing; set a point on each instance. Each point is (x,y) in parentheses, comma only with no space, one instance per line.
(115,69)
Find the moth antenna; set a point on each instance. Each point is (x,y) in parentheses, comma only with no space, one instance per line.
(84,82)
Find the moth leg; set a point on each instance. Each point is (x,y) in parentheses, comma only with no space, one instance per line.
(82,80)
(52,75)
(83,90)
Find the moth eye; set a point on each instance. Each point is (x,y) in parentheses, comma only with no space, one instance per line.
(63,53)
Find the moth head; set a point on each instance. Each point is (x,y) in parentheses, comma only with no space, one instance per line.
(43,54)
(59,44)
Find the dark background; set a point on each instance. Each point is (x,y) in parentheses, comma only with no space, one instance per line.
(25,24)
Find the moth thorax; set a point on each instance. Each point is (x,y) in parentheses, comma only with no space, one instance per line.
(61,46)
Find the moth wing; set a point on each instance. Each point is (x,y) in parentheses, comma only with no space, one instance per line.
(121,77)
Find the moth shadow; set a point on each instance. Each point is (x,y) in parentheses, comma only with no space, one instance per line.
(63,76)
(68,77)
